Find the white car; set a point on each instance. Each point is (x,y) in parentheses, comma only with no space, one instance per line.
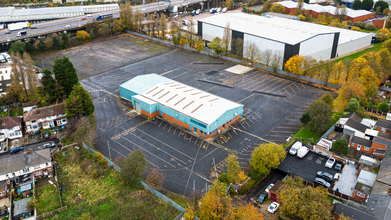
(273,207)
(67,25)
(330,163)
(224,9)
(302,152)
(295,147)
(269,187)
(89,15)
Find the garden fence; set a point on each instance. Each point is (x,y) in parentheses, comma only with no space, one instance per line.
(51,213)
(152,190)
(209,52)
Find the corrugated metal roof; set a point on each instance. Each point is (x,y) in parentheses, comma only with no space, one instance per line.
(367,178)
(197,104)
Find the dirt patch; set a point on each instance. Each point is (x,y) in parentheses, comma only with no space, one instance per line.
(98,57)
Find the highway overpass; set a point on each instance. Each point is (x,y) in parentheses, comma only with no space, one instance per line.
(74,23)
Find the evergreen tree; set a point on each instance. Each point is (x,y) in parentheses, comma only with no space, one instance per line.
(367,4)
(356,5)
(65,40)
(65,74)
(49,85)
(79,103)
(17,47)
(41,45)
(56,43)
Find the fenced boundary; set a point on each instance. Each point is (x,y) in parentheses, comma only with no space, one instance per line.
(51,213)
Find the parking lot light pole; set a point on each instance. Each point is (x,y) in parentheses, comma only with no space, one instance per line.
(108,146)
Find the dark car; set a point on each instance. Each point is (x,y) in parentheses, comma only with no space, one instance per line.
(322,182)
(338,167)
(16,149)
(33,27)
(326,176)
(262,197)
(46,135)
(49,145)
(4,213)
(8,32)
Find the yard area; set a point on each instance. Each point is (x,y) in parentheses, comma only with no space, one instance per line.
(93,190)
(376,47)
(46,196)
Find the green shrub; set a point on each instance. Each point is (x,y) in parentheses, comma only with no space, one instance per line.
(384,107)
(63,140)
(94,174)
(224,178)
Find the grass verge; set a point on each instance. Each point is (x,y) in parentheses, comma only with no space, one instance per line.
(94,190)
(306,135)
(47,199)
(376,47)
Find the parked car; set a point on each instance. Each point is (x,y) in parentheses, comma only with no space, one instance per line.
(330,163)
(33,27)
(295,147)
(324,175)
(269,187)
(302,152)
(8,32)
(262,197)
(46,135)
(16,149)
(322,182)
(273,207)
(89,15)
(49,145)
(83,18)
(4,213)
(338,166)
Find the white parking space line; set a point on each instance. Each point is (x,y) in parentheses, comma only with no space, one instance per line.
(130,151)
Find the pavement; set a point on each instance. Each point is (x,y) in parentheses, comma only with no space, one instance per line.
(306,167)
(348,179)
(185,159)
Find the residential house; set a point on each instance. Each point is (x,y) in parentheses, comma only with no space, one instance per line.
(21,209)
(369,161)
(3,189)
(29,106)
(347,211)
(361,144)
(379,202)
(353,125)
(384,136)
(341,135)
(365,182)
(15,166)
(45,117)
(379,146)
(5,77)
(10,127)
(274,190)
(383,125)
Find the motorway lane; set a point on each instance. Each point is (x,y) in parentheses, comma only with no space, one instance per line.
(74,22)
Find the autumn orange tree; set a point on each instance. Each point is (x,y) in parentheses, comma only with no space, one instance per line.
(350,89)
(300,202)
(83,36)
(383,34)
(266,157)
(295,65)
(155,178)
(246,212)
(216,204)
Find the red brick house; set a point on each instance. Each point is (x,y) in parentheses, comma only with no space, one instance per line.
(379,146)
(365,182)
(361,144)
(383,125)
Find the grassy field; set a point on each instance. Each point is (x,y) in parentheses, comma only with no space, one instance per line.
(47,199)
(376,47)
(305,134)
(93,190)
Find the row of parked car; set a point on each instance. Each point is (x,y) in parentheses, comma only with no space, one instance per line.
(17,149)
(298,149)
(218,10)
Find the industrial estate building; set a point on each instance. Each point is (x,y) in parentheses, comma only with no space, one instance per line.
(194,109)
(285,37)
(315,10)
(12,14)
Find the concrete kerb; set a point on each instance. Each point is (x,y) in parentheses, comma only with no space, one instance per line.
(208,52)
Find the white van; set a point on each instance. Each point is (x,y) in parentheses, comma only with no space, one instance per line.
(302,152)
(295,147)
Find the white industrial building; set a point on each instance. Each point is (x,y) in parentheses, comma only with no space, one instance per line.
(12,14)
(284,36)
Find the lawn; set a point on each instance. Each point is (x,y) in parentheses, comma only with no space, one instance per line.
(306,135)
(376,47)
(18,111)
(93,190)
(47,199)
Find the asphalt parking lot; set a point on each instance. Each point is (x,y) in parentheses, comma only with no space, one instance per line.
(185,159)
(306,167)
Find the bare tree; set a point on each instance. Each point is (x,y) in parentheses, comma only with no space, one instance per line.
(163,25)
(337,12)
(24,81)
(267,56)
(85,132)
(343,12)
(276,61)
(137,21)
(226,41)
(190,33)
(251,52)
(299,8)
